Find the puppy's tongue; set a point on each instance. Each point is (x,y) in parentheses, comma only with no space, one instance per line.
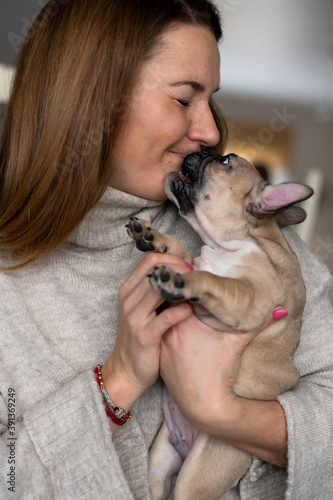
(183,178)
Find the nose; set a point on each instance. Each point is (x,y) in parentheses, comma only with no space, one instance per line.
(203,128)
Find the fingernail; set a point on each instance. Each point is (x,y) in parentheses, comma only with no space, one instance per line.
(279,314)
(188,266)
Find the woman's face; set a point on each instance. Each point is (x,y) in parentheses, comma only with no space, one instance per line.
(168,115)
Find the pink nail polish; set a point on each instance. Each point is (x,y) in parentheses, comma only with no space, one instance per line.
(188,266)
(279,314)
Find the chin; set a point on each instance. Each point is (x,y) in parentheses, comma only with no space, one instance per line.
(153,195)
(161,197)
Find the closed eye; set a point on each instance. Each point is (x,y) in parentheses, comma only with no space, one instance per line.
(183,103)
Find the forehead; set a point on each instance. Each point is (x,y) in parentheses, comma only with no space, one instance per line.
(186,53)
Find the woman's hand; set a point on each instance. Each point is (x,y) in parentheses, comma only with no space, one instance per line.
(134,363)
(199,366)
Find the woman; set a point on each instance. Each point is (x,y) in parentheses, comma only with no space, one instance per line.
(109,97)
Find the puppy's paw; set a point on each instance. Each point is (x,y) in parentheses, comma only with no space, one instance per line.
(147,239)
(170,283)
(142,233)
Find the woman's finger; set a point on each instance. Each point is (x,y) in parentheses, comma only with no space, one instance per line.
(170,317)
(135,291)
(147,264)
(142,304)
(279,313)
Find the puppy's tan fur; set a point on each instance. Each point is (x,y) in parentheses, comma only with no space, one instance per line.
(245,270)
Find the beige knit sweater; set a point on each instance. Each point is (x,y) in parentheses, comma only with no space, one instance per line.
(58,320)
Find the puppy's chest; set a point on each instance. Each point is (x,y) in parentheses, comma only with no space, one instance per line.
(227,260)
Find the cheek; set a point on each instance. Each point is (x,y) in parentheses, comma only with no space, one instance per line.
(166,122)
(215,200)
(154,129)
(159,122)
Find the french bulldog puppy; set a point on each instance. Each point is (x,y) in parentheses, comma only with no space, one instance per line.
(246,269)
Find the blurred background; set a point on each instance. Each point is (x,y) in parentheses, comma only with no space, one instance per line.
(276,91)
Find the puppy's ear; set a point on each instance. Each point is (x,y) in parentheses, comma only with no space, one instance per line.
(272,200)
(292,215)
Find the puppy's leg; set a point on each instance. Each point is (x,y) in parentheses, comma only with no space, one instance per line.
(164,462)
(230,300)
(211,469)
(148,239)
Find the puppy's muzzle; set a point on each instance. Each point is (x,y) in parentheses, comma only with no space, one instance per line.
(183,187)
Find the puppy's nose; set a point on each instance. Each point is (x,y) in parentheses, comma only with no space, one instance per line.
(193,160)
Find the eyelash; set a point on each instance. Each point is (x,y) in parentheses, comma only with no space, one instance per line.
(183,103)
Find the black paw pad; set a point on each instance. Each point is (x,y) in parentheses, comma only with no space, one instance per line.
(165,275)
(179,281)
(137,227)
(149,236)
(169,296)
(143,246)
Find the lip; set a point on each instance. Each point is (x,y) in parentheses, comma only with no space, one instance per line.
(183,178)
(178,188)
(181,154)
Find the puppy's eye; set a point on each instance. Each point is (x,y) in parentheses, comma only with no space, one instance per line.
(225,163)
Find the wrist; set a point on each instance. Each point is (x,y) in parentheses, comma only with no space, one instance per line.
(223,419)
(258,427)
(123,392)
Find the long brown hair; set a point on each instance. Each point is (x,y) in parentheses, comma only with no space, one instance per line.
(75,74)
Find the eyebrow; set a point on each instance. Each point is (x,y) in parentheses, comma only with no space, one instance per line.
(192,83)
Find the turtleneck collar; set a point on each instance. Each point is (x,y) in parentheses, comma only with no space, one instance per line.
(103,227)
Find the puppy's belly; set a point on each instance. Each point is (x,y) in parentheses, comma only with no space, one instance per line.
(181,433)
(224,261)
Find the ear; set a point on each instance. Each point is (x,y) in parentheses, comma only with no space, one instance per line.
(275,199)
(292,215)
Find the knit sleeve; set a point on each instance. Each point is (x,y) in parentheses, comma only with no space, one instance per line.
(63,448)
(308,407)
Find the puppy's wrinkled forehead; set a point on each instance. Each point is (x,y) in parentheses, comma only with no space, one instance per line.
(200,160)
(196,164)
(195,160)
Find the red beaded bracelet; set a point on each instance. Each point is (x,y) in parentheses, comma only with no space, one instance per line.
(117,415)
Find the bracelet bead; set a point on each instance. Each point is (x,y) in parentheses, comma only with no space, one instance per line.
(117,414)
